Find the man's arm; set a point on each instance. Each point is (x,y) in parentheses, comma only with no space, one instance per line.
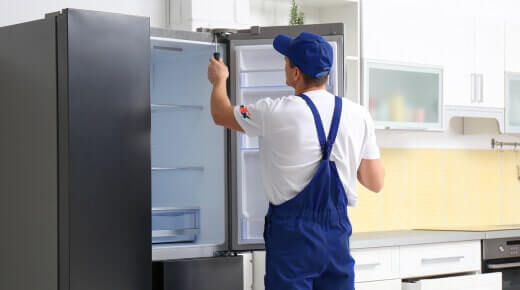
(221,108)
(371,174)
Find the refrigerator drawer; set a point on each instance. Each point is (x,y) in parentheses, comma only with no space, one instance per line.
(175,224)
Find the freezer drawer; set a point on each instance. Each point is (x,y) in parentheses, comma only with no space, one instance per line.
(491,281)
(199,274)
(175,224)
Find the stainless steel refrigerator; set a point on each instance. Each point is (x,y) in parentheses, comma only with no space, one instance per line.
(75,153)
(112,159)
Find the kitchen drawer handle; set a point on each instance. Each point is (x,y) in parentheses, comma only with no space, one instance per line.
(441,259)
(370,265)
(503,266)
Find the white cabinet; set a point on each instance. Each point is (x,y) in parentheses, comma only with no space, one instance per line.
(379,285)
(489,53)
(407,31)
(376,264)
(474,53)
(491,281)
(438,259)
(512,64)
(464,37)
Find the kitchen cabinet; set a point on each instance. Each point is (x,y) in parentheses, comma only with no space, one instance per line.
(379,285)
(513,103)
(474,282)
(438,259)
(512,68)
(463,37)
(474,54)
(405,31)
(376,264)
(404,96)
(383,268)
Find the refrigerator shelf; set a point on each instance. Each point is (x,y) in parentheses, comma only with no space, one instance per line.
(196,168)
(176,107)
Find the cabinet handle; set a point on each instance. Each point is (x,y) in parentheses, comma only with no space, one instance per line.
(503,266)
(441,259)
(370,265)
(481,87)
(473,88)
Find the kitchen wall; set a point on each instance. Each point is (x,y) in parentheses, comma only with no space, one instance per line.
(441,187)
(12,12)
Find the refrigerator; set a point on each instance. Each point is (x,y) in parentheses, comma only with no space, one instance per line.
(75,153)
(109,128)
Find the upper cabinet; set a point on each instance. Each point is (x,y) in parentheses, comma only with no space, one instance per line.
(463,39)
(512,66)
(403,58)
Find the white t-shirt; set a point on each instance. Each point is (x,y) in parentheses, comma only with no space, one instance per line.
(289,147)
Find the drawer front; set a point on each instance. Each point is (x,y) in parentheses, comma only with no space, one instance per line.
(436,259)
(376,264)
(379,285)
(492,281)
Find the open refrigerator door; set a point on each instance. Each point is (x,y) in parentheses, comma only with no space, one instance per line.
(257,71)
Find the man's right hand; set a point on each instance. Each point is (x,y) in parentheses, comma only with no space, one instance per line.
(218,72)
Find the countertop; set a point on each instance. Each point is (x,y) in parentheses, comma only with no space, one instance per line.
(357,241)
(411,237)
(417,237)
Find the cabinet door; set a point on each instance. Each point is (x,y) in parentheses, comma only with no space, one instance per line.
(459,53)
(403,31)
(491,281)
(404,96)
(489,53)
(379,285)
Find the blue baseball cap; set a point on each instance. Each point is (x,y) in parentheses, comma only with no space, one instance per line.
(310,52)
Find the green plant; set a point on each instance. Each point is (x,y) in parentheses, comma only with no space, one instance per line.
(295,17)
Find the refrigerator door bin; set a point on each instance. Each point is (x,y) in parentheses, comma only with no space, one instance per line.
(175,224)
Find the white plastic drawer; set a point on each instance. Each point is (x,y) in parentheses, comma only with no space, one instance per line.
(492,281)
(437,259)
(380,285)
(376,264)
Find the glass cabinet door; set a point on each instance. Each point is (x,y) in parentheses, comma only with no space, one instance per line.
(403,97)
(188,149)
(513,103)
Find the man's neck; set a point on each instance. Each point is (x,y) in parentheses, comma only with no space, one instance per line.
(298,91)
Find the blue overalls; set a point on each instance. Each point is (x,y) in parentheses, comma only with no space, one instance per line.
(307,237)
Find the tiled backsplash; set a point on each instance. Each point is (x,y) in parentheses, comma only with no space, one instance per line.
(429,188)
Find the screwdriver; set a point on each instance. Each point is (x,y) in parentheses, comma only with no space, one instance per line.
(216,54)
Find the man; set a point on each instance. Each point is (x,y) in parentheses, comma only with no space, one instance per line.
(309,173)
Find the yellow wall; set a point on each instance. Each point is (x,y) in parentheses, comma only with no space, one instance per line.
(429,188)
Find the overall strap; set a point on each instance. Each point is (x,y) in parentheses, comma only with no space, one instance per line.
(325,144)
(334,125)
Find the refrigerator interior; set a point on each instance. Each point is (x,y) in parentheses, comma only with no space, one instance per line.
(187,149)
(260,74)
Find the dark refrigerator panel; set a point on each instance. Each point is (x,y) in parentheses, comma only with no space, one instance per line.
(104,108)
(28,157)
